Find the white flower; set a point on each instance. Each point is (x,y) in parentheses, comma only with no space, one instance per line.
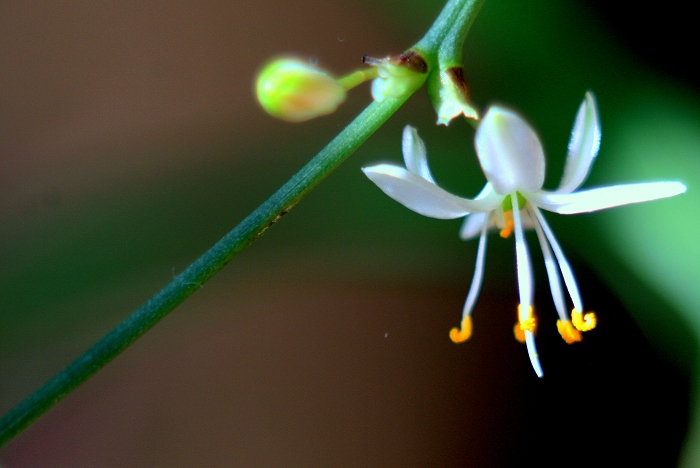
(512,159)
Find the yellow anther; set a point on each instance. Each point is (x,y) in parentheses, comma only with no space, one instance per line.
(584,322)
(458,335)
(526,322)
(526,317)
(568,332)
(505,232)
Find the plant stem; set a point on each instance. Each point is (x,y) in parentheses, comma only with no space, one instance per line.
(357,78)
(450,52)
(252,227)
(441,26)
(190,280)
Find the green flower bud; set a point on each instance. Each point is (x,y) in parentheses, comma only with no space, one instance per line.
(295,91)
(448,92)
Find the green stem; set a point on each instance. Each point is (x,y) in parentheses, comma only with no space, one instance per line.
(190,280)
(252,227)
(450,52)
(442,25)
(357,78)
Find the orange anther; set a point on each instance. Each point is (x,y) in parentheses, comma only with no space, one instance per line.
(584,322)
(526,322)
(519,333)
(505,232)
(568,332)
(457,335)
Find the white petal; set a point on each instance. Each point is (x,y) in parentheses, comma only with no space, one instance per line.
(414,154)
(423,197)
(606,197)
(474,222)
(472,226)
(583,145)
(510,152)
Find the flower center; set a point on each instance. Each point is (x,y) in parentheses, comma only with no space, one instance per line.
(508,202)
(507,206)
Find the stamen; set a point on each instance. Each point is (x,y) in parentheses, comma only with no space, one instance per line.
(508,217)
(522,261)
(532,353)
(568,332)
(552,270)
(564,266)
(584,322)
(526,322)
(527,318)
(457,335)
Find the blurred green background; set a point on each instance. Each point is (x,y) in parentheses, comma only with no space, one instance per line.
(130,141)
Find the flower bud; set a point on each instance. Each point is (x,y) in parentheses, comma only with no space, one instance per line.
(295,91)
(448,92)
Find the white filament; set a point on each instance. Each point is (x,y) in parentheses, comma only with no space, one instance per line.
(475,287)
(564,266)
(552,271)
